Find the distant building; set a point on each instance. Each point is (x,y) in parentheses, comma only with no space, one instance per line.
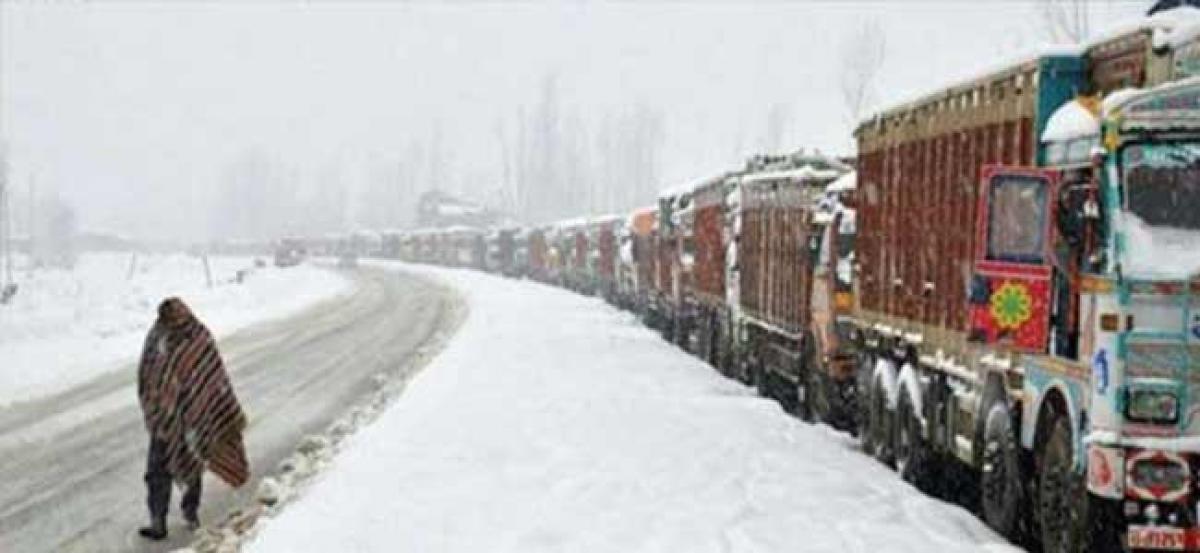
(438,209)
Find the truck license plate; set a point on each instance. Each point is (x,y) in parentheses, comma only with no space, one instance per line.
(1170,539)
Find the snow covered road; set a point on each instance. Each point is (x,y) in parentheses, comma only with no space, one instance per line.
(66,327)
(71,464)
(553,422)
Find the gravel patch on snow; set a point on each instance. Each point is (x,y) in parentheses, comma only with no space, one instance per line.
(552,422)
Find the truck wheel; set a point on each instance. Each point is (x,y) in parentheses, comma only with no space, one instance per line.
(911,453)
(683,334)
(806,393)
(818,397)
(1106,526)
(1059,489)
(865,432)
(881,423)
(708,344)
(1000,478)
(798,396)
(724,352)
(760,377)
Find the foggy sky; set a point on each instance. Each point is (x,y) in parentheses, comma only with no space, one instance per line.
(132,112)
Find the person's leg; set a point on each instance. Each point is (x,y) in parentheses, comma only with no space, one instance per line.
(191,503)
(158,490)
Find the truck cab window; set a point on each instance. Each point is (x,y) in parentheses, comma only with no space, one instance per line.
(1017,216)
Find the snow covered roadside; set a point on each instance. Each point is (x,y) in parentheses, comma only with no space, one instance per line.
(66,327)
(552,422)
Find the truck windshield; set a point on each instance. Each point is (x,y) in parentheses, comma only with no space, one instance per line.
(1162,183)
(1162,189)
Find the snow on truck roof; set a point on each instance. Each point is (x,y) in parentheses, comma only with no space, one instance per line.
(570,223)
(690,187)
(803,173)
(844,183)
(1075,119)
(1126,107)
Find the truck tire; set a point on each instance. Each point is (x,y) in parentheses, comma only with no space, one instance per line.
(865,433)
(1001,483)
(842,403)
(758,378)
(819,399)
(1106,526)
(711,342)
(910,450)
(806,393)
(1060,492)
(880,423)
(724,353)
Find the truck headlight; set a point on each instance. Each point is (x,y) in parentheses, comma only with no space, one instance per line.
(1156,406)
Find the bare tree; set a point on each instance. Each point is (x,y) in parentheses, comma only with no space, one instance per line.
(778,117)
(862,57)
(1065,21)
(6,226)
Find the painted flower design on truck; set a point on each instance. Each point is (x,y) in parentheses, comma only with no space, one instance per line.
(1011,305)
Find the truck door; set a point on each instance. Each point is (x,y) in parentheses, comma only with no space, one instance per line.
(1010,287)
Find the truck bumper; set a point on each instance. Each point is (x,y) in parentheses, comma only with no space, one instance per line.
(1157,517)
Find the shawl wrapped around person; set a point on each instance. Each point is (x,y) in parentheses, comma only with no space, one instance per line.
(188,401)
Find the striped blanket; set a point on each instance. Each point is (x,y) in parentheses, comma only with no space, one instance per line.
(188,401)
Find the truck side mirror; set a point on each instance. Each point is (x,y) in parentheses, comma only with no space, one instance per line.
(1074,207)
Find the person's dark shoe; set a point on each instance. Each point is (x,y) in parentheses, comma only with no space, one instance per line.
(157,530)
(192,519)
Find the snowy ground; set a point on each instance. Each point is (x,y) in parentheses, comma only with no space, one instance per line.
(553,422)
(65,327)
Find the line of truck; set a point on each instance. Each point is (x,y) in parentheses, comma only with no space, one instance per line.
(1005,279)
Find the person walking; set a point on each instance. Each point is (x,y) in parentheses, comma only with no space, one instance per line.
(191,412)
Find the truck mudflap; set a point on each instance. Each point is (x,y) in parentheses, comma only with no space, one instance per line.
(1163,538)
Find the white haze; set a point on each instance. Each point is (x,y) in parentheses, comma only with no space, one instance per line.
(195,121)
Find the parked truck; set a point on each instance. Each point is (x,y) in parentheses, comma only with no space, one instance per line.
(777,261)
(602,233)
(705,234)
(640,286)
(1024,334)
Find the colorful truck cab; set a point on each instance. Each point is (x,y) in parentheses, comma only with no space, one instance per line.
(1132,392)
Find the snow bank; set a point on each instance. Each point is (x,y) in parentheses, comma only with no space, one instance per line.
(552,422)
(65,327)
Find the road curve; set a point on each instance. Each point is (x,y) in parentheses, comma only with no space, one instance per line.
(71,465)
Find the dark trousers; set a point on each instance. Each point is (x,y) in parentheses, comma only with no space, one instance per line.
(158,484)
